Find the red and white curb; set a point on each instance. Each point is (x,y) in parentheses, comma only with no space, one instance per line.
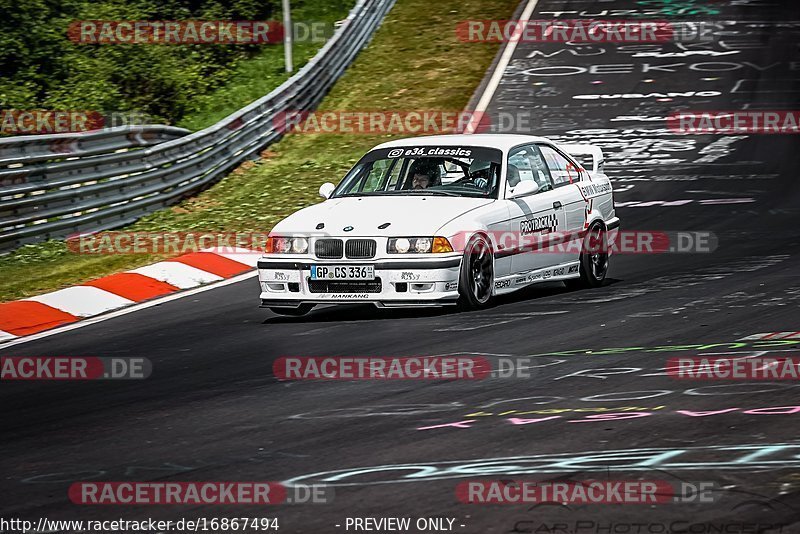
(66,306)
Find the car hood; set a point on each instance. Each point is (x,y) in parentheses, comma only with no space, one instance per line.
(406,215)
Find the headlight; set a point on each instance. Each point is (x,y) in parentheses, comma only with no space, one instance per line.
(299,245)
(418,245)
(286,245)
(401,245)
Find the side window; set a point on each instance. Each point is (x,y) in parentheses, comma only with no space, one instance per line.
(519,167)
(375,178)
(356,183)
(563,171)
(452,172)
(395,173)
(540,171)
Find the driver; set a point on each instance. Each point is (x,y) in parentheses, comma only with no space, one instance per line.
(424,174)
(480,172)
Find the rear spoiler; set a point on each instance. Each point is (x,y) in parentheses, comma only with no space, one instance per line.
(586,150)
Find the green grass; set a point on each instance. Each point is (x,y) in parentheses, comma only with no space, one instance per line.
(253,79)
(415,62)
(259,75)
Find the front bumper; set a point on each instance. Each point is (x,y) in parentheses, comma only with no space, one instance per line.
(398,282)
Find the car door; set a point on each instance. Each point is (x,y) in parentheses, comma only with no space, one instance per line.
(566,175)
(534,217)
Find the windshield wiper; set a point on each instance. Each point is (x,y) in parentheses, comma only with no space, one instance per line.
(364,194)
(433,192)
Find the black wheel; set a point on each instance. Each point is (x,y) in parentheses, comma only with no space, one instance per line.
(594,259)
(476,283)
(300,311)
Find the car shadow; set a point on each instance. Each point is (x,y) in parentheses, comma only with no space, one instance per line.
(368,312)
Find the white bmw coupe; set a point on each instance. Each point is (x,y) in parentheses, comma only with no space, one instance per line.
(452,219)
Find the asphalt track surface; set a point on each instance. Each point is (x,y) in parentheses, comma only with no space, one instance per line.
(213,411)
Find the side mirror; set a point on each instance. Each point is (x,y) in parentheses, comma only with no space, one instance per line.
(527,187)
(326,190)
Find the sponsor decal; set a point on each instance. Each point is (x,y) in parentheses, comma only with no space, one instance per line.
(545,224)
(573,269)
(519,281)
(428,152)
(451,286)
(467,152)
(561,271)
(502,284)
(594,190)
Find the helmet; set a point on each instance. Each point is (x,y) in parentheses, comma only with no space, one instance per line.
(429,167)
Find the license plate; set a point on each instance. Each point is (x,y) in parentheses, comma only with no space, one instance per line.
(343,272)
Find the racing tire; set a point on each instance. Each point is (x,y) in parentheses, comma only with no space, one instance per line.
(476,281)
(594,259)
(300,311)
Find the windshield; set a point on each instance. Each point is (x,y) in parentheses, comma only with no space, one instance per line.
(460,171)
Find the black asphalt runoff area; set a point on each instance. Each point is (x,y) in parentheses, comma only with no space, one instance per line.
(213,411)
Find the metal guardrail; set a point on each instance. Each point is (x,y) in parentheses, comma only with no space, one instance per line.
(52,186)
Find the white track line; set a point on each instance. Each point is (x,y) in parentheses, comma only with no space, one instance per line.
(500,70)
(5,335)
(126,311)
